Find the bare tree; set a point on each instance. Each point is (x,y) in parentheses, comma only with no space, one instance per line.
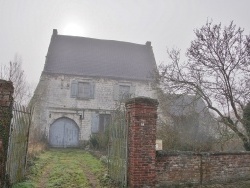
(217,69)
(13,72)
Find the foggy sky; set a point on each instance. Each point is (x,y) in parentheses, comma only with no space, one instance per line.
(26,25)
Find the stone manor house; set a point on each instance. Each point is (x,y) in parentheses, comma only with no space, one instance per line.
(83,81)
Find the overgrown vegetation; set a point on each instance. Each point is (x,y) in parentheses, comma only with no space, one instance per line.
(216,70)
(184,123)
(13,72)
(100,140)
(37,142)
(64,168)
(179,139)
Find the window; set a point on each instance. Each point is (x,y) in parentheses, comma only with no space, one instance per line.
(104,121)
(82,90)
(123,91)
(100,122)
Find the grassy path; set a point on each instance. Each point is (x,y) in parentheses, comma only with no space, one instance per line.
(64,168)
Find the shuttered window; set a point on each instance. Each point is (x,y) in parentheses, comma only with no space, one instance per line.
(100,122)
(74,89)
(104,121)
(95,123)
(82,90)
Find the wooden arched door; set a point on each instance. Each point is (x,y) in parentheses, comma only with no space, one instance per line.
(64,132)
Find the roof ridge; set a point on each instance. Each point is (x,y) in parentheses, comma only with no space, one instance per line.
(105,40)
(84,56)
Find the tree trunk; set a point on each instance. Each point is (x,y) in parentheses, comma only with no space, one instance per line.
(247,146)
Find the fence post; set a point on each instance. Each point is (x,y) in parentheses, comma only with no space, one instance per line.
(141,116)
(6,99)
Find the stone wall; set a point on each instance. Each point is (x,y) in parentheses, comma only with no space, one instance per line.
(6,99)
(201,168)
(52,100)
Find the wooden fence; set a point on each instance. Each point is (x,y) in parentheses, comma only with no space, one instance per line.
(117,151)
(18,143)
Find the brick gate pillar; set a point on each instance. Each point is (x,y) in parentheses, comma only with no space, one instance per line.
(6,92)
(142,116)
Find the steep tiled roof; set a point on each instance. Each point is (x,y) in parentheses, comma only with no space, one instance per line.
(102,58)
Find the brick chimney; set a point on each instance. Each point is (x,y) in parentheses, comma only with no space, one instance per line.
(148,43)
(55,32)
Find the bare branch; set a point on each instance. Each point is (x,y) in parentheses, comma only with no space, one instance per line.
(218,69)
(13,72)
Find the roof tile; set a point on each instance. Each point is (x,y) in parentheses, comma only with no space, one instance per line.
(95,57)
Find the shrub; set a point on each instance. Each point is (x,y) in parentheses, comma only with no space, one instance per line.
(99,140)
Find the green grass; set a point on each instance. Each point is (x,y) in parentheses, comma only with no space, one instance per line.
(62,168)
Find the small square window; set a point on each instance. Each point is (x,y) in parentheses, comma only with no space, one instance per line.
(82,90)
(124,92)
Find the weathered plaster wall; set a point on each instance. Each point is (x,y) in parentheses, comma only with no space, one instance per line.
(52,100)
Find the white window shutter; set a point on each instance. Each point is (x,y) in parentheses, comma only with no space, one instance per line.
(92,90)
(74,89)
(116,92)
(95,123)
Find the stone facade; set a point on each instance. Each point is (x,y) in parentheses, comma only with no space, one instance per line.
(83,81)
(52,100)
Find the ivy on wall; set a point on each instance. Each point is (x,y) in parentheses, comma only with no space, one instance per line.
(6,101)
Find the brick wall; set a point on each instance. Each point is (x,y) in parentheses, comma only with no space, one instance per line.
(148,168)
(201,168)
(142,115)
(225,167)
(177,168)
(6,91)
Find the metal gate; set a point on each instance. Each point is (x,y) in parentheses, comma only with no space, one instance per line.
(18,143)
(117,150)
(64,132)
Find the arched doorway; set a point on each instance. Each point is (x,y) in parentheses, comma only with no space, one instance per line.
(64,132)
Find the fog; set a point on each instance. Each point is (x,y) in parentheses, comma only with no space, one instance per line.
(26,26)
